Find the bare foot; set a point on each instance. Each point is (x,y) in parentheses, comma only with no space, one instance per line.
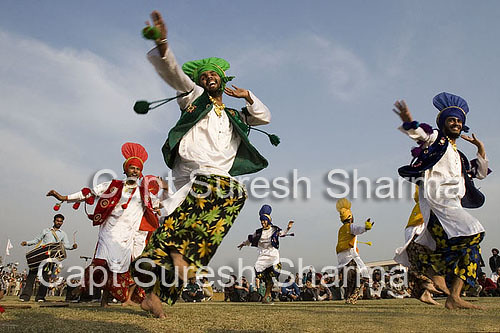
(427,298)
(458,303)
(152,303)
(430,287)
(440,284)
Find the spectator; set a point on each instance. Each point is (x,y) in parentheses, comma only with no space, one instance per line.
(258,292)
(324,293)
(290,291)
(242,289)
(494,260)
(192,291)
(376,287)
(298,281)
(495,275)
(310,292)
(309,275)
(230,291)
(488,287)
(336,286)
(208,292)
(17,288)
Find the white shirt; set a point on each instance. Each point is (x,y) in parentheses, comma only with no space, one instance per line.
(210,146)
(268,254)
(444,187)
(119,239)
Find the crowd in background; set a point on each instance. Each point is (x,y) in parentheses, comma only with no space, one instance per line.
(311,286)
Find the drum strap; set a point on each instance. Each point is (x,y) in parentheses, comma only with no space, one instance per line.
(55,236)
(53,233)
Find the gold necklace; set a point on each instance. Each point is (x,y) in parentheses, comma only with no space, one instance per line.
(217,108)
(453,144)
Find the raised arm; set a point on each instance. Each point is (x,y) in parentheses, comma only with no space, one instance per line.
(481,163)
(258,113)
(289,226)
(36,239)
(411,127)
(158,22)
(98,190)
(245,243)
(358,229)
(165,64)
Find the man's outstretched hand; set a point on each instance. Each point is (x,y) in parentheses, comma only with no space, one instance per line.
(160,25)
(53,193)
(238,93)
(476,142)
(402,111)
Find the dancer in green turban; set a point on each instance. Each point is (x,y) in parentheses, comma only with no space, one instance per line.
(207,147)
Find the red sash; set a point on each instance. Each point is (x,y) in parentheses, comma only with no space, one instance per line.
(111,197)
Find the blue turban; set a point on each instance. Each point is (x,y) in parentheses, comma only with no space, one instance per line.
(265,213)
(450,105)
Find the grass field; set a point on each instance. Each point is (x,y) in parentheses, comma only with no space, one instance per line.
(376,315)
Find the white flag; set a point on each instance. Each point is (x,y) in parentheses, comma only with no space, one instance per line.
(9,246)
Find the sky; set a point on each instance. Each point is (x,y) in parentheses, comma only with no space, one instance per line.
(329,71)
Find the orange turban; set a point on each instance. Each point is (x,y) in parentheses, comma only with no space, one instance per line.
(134,154)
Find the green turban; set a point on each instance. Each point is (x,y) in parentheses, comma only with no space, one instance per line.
(195,68)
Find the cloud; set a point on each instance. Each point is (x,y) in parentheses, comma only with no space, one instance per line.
(324,60)
(65,113)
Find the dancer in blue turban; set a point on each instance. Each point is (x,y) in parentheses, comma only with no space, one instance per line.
(444,176)
(266,239)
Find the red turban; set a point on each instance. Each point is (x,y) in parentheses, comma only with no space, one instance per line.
(134,154)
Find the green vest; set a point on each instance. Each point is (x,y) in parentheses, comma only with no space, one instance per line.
(248,159)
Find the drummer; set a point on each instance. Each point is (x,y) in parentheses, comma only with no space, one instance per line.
(48,235)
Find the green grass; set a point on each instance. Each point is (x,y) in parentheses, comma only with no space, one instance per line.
(386,315)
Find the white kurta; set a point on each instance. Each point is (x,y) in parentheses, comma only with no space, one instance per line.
(268,254)
(210,146)
(346,256)
(119,239)
(443,190)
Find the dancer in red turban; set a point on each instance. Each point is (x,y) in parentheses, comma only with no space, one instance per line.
(125,215)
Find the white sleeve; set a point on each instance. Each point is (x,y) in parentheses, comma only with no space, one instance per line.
(357,229)
(259,113)
(172,74)
(419,134)
(98,190)
(284,232)
(482,167)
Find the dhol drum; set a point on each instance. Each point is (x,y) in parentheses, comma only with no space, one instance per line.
(39,254)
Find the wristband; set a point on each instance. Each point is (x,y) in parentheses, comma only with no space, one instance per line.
(410,125)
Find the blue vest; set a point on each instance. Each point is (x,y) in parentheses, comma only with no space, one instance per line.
(275,238)
(414,172)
